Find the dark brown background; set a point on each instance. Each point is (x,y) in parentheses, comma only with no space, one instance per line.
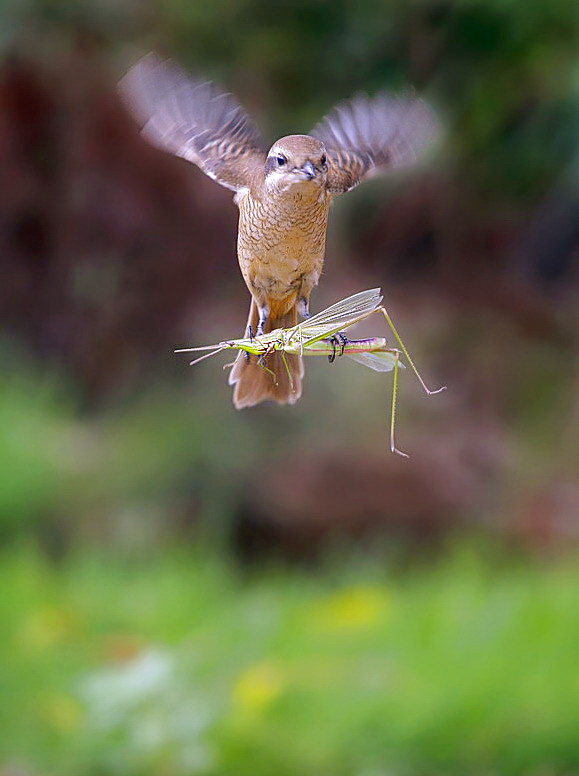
(113,253)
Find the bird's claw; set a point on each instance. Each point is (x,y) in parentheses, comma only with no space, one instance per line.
(250,336)
(337,340)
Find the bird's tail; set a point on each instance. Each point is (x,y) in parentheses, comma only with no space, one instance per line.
(254,384)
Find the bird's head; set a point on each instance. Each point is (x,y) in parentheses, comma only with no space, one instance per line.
(296,162)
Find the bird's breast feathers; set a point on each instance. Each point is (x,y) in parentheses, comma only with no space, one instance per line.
(281,241)
(286,223)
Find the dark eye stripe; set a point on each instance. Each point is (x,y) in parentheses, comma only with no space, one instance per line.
(272,163)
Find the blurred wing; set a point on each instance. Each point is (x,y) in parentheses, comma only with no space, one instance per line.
(378,360)
(341,314)
(194,120)
(366,135)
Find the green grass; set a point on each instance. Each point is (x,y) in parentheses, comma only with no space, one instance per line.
(178,665)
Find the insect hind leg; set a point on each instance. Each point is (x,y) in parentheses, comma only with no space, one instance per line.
(394,331)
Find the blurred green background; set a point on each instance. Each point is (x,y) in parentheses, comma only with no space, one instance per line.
(187,589)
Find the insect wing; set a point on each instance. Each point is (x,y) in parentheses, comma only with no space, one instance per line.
(341,314)
(379,360)
(348,308)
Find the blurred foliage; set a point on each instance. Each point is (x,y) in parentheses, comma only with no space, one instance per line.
(178,459)
(114,253)
(504,73)
(181,666)
(122,656)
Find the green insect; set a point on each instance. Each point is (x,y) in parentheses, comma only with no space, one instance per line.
(321,335)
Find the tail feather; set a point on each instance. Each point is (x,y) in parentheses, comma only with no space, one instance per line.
(254,384)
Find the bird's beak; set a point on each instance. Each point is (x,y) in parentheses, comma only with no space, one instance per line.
(308,170)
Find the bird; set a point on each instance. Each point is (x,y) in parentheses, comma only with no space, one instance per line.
(283,193)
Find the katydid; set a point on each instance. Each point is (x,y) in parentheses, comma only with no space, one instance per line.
(313,337)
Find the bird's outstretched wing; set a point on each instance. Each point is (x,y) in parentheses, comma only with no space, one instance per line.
(193,119)
(366,135)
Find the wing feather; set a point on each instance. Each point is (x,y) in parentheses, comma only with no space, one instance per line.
(367,135)
(194,120)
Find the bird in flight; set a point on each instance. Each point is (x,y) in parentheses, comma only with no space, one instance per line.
(283,194)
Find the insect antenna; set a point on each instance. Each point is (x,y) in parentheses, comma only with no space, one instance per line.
(207,355)
(205,347)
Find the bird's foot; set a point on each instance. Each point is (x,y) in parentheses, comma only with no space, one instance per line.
(249,334)
(263,316)
(338,342)
(303,308)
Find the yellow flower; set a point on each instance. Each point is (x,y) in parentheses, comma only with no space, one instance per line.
(258,686)
(63,711)
(44,628)
(355,608)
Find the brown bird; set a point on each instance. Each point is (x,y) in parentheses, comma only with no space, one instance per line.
(283,194)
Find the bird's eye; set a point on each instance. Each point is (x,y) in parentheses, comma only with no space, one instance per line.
(281,160)
(323,160)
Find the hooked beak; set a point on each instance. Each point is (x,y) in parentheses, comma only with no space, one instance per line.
(308,170)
